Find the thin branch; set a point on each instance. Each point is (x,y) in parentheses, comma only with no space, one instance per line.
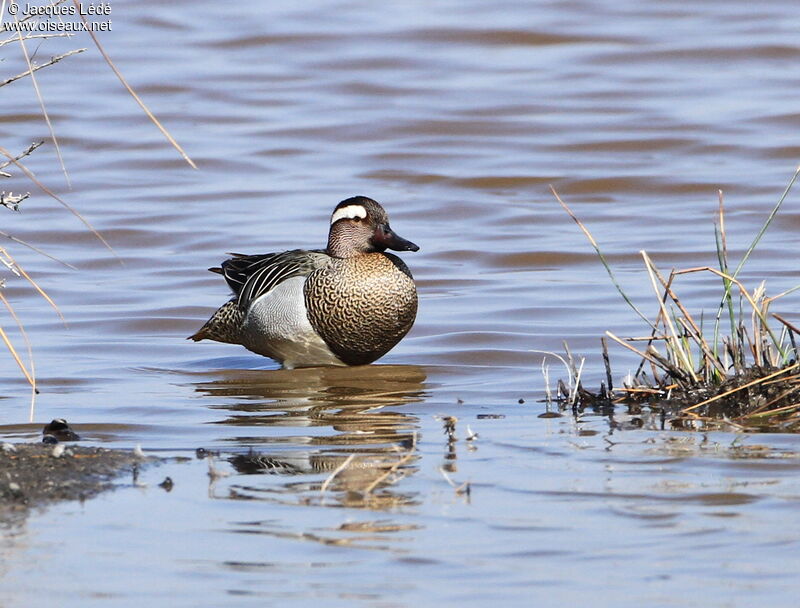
(36,68)
(21,155)
(31,36)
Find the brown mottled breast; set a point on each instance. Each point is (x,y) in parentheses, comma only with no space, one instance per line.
(361,306)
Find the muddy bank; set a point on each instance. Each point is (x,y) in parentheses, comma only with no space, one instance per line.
(36,474)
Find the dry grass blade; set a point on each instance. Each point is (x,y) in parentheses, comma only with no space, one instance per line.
(771,299)
(133,94)
(37,249)
(750,300)
(41,102)
(32,376)
(709,356)
(41,291)
(53,195)
(794,328)
(667,285)
(674,339)
(687,322)
(723,235)
(568,365)
(654,335)
(17,358)
(642,354)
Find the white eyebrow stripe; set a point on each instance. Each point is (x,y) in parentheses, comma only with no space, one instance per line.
(350,212)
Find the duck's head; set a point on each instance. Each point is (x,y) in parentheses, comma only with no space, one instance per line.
(360,225)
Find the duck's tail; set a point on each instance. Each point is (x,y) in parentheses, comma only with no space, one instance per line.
(223,326)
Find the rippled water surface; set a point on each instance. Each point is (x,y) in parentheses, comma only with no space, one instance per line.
(457,116)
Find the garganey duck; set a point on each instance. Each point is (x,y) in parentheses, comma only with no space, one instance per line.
(348,304)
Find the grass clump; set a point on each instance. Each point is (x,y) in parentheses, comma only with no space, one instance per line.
(738,371)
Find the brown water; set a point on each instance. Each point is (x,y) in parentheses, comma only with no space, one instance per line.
(456,116)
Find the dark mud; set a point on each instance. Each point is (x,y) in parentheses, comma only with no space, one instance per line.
(37,474)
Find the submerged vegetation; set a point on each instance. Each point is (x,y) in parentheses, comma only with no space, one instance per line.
(737,370)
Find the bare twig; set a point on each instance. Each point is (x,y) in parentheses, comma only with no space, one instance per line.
(35,68)
(32,36)
(23,154)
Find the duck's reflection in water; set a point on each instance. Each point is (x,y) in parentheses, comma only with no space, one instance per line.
(361,446)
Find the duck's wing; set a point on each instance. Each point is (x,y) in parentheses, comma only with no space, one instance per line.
(251,276)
